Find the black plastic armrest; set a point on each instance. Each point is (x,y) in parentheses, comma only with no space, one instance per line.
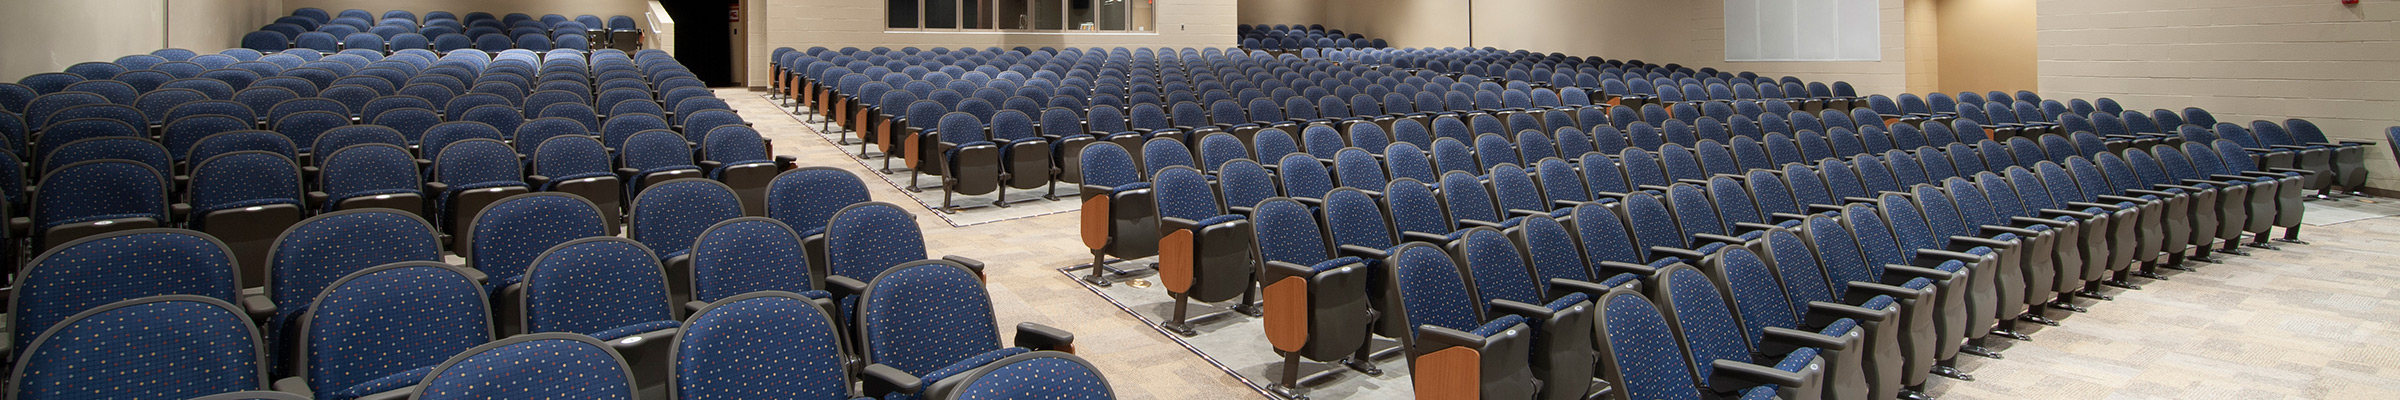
(2030,221)
(179,211)
(2086,204)
(1825,208)
(1362,252)
(2128,199)
(1561,287)
(1620,196)
(2288,147)
(1932,254)
(627,173)
(2148,192)
(1531,312)
(2215,182)
(1562,204)
(1823,313)
(1309,201)
(1981,241)
(1848,200)
(843,286)
(1171,224)
(2021,232)
(1732,376)
(1243,210)
(971,264)
(1862,291)
(2277,171)
(1702,238)
(693,307)
(1043,337)
(1657,252)
(1612,268)
(436,188)
(1753,226)
(1519,212)
(2056,212)
(1414,236)
(1778,341)
(711,165)
(1651,188)
(1432,337)
(1464,222)
(880,381)
(544,180)
(1895,273)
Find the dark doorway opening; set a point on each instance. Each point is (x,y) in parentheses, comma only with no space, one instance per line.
(700,38)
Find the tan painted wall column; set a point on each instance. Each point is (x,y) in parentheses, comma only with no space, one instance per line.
(1987,45)
(1924,46)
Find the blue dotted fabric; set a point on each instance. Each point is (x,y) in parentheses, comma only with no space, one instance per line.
(864,241)
(595,286)
(1433,291)
(324,249)
(747,256)
(507,236)
(1499,272)
(1709,331)
(99,191)
(533,369)
(1645,351)
(162,348)
(927,317)
(765,347)
(117,267)
(1756,296)
(392,321)
(667,217)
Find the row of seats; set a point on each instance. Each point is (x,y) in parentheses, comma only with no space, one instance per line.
(359,305)
(395,151)
(311,28)
(853,100)
(1299,38)
(1227,231)
(1215,231)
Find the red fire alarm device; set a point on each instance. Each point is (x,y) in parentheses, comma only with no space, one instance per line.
(2349,2)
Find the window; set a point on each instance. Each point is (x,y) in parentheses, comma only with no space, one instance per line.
(1803,30)
(1021,15)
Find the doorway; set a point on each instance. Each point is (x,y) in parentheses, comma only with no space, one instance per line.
(701,43)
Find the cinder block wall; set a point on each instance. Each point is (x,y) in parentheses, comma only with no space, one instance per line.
(2242,60)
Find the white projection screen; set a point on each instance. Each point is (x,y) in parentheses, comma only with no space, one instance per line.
(1803,30)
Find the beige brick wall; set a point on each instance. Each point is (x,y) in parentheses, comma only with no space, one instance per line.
(1683,32)
(801,24)
(2242,60)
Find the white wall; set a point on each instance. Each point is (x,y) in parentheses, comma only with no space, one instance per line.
(569,8)
(49,35)
(2242,60)
(1691,33)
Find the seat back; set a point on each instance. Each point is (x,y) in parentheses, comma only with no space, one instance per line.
(506,237)
(596,286)
(868,239)
(925,315)
(180,346)
(1060,376)
(492,370)
(668,216)
(759,334)
(390,318)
